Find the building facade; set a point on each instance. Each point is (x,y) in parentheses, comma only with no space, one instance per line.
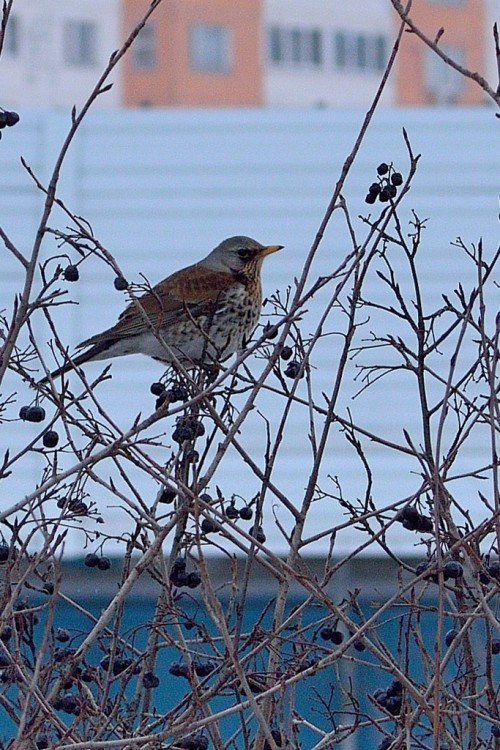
(54,52)
(194,53)
(291,53)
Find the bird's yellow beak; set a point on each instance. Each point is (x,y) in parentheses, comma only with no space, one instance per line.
(270,249)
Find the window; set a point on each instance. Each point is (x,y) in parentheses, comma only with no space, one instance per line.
(210,48)
(80,43)
(359,52)
(276,51)
(296,47)
(442,82)
(144,48)
(11,39)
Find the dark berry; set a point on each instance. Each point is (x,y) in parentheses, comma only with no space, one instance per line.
(121,664)
(62,635)
(11,118)
(4,660)
(371,197)
(286,352)
(157,389)
(395,688)
(493,569)
(246,513)
(385,743)
(409,517)
(483,576)
(382,168)
(495,730)
(380,696)
(71,273)
(208,526)
(50,439)
(292,370)
(167,495)
(182,433)
(193,579)
(359,645)
(162,399)
(48,588)
(259,535)
(231,512)
(495,646)
(425,525)
(374,188)
(78,507)
(384,195)
(337,637)
(179,669)
(178,565)
(206,498)
(69,703)
(120,283)
(391,190)
(23,412)
(393,705)
(42,741)
(6,633)
(91,560)
(104,563)
(3,119)
(270,331)
(397,178)
(326,633)
(87,676)
(452,569)
(192,457)
(150,680)
(203,668)
(450,636)
(35,414)
(4,552)
(178,393)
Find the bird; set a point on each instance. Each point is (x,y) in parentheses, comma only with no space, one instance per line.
(201,314)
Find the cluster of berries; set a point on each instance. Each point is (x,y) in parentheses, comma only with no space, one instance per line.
(413,520)
(176,392)
(201,668)
(333,635)
(391,699)
(36,413)
(387,186)
(489,571)
(8,119)
(193,742)
(180,577)
(94,561)
(294,367)
(451,570)
(77,508)
(187,428)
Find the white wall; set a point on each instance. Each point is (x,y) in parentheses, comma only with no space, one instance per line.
(296,86)
(38,73)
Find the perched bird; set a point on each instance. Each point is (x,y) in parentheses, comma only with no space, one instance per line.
(200,314)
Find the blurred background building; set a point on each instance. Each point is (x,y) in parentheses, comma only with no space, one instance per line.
(298,53)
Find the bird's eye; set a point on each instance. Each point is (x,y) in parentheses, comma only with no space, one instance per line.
(245,253)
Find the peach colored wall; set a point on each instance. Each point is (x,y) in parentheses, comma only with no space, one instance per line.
(172,82)
(464,25)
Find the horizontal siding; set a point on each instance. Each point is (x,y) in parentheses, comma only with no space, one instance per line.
(161,188)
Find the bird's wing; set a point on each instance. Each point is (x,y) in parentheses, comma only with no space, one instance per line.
(193,290)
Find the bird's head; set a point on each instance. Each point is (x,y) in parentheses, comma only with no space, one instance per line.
(236,253)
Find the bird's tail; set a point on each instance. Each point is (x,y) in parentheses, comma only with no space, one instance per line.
(73,362)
